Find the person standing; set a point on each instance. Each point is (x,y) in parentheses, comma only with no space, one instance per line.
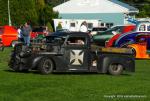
(20,35)
(26,33)
(83,27)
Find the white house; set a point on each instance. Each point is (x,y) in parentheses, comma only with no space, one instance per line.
(102,12)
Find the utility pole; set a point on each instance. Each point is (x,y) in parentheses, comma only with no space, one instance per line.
(9,19)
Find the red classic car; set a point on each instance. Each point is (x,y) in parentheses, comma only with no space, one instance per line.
(8,34)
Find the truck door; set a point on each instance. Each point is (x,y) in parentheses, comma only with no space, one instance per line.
(77,53)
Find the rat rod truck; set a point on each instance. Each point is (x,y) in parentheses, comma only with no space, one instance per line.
(71,52)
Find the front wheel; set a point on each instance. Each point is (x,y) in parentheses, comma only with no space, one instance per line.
(46,66)
(115,69)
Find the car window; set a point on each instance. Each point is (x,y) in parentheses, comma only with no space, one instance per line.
(117,29)
(99,29)
(142,27)
(1,30)
(76,41)
(148,28)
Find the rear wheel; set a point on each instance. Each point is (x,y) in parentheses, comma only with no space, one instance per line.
(115,69)
(46,66)
(134,52)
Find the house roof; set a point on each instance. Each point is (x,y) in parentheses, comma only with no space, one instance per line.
(95,6)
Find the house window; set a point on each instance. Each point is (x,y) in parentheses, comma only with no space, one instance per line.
(102,24)
(90,25)
(108,25)
(72,24)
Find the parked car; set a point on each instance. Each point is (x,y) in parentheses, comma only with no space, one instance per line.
(141,48)
(66,54)
(8,35)
(129,38)
(62,30)
(1,45)
(104,38)
(38,32)
(95,30)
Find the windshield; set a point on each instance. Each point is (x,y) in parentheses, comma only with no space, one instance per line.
(117,29)
(1,30)
(99,29)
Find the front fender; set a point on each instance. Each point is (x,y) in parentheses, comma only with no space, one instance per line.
(36,61)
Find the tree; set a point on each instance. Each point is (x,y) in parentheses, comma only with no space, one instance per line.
(142,5)
(50,28)
(35,11)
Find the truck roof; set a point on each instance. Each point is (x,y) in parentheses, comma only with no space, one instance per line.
(69,33)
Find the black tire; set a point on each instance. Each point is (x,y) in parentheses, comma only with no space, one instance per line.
(46,66)
(115,69)
(134,52)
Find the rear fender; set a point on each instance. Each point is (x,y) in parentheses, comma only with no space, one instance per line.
(37,60)
(105,60)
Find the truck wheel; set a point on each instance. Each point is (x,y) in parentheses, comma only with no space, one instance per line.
(115,69)
(46,66)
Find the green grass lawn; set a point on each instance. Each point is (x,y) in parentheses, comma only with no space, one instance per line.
(73,87)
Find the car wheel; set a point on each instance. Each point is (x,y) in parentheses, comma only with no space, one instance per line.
(46,66)
(115,69)
(134,52)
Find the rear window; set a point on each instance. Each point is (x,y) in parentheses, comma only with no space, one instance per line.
(117,29)
(1,30)
(99,29)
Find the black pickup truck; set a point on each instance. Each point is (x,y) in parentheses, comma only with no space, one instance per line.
(71,52)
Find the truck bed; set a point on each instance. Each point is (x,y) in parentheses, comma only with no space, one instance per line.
(111,50)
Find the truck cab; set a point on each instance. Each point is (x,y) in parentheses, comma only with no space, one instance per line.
(71,52)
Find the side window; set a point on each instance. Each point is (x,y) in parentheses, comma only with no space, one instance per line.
(1,30)
(142,28)
(148,28)
(141,39)
(76,41)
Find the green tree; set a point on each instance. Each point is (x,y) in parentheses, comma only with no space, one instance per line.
(50,28)
(35,11)
(142,5)
(3,12)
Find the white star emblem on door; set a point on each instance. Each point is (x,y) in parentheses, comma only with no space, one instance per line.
(76,57)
